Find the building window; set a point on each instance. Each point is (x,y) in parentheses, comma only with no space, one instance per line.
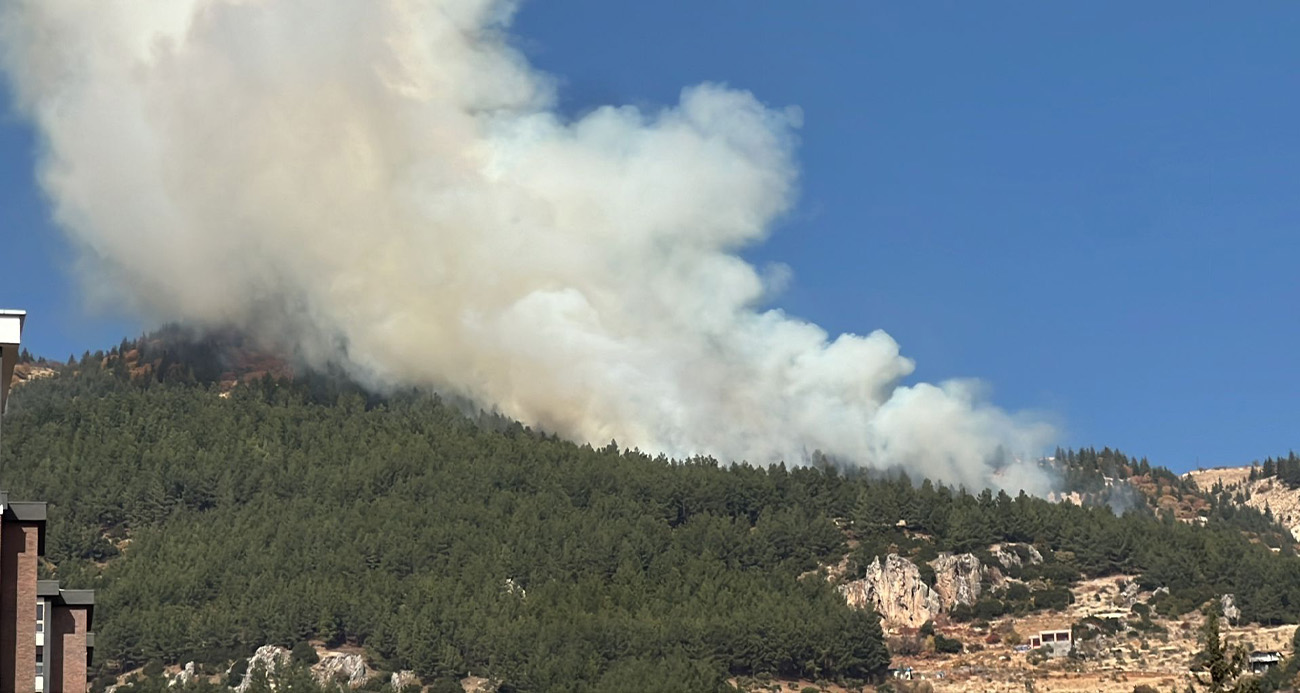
(40,617)
(40,663)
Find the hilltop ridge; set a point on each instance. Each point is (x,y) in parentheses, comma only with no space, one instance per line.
(1258,486)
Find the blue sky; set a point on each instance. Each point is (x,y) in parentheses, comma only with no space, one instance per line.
(1091,207)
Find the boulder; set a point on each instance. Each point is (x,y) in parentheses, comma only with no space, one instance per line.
(895,590)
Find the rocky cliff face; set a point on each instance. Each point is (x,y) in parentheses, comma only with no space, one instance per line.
(957,579)
(894,587)
(896,591)
(26,372)
(333,667)
(267,658)
(337,667)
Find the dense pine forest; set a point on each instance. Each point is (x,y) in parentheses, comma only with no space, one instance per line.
(284,510)
(442,544)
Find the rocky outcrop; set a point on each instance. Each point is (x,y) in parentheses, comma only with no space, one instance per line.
(895,590)
(402,679)
(1009,555)
(957,579)
(993,577)
(184,676)
(266,659)
(478,684)
(894,587)
(333,667)
(1228,603)
(515,589)
(1130,594)
(336,667)
(27,372)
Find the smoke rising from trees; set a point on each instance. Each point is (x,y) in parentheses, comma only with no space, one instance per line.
(388,186)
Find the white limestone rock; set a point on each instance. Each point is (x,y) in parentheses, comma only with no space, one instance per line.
(895,590)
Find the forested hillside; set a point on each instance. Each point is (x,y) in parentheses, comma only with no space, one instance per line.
(1129,484)
(281,511)
(441,544)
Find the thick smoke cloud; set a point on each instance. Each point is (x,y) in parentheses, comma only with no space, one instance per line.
(387,185)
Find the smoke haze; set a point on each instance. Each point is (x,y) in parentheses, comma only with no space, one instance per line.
(386,185)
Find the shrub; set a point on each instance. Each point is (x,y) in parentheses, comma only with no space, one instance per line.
(445,684)
(1057,573)
(103,682)
(946,645)
(904,646)
(925,553)
(1038,656)
(1016,592)
(304,653)
(989,608)
(927,574)
(237,671)
(153,669)
(1056,599)
(927,629)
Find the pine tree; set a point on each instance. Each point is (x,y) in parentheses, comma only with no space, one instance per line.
(1214,658)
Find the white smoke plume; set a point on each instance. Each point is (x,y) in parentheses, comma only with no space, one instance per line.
(388,185)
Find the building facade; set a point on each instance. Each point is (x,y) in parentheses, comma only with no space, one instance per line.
(1059,642)
(46,640)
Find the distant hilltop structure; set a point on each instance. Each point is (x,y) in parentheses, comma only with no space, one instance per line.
(45,631)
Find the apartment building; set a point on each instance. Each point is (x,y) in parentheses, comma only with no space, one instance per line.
(46,640)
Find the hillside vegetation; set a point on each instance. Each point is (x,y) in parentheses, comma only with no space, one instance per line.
(213,525)
(280,511)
